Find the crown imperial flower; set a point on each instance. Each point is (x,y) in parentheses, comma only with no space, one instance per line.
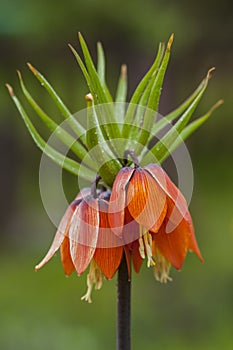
(85,239)
(165,226)
(142,214)
(138,212)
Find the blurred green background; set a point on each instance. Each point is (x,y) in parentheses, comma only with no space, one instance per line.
(43,310)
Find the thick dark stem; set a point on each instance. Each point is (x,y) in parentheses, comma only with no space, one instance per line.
(123,307)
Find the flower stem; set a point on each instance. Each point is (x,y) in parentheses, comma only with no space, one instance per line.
(94,186)
(123,307)
(134,158)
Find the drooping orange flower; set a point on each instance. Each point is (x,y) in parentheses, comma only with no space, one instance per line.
(137,190)
(165,231)
(171,248)
(85,238)
(145,215)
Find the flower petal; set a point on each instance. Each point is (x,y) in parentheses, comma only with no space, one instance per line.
(130,231)
(146,200)
(174,246)
(108,260)
(172,192)
(136,257)
(117,201)
(62,231)
(192,246)
(67,262)
(83,233)
(109,249)
(83,193)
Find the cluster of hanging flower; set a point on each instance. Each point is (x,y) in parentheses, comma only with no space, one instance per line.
(144,216)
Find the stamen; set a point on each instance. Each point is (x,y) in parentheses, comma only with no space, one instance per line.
(87,296)
(141,243)
(141,248)
(148,245)
(145,246)
(94,276)
(162,268)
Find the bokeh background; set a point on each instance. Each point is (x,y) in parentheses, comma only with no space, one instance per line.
(43,310)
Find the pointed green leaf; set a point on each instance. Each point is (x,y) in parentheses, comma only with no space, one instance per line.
(121,92)
(192,127)
(62,134)
(162,147)
(101,63)
(107,165)
(65,162)
(135,127)
(100,94)
(90,85)
(78,129)
(121,95)
(135,113)
(162,123)
(135,100)
(102,91)
(154,97)
(85,74)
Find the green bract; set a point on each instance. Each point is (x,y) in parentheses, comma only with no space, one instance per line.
(115,124)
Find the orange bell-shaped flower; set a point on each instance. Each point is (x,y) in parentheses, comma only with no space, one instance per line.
(85,238)
(165,231)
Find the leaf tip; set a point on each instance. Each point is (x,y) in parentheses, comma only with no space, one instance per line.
(32,69)
(10,90)
(73,50)
(215,106)
(124,70)
(80,37)
(170,41)
(19,74)
(209,72)
(99,44)
(71,47)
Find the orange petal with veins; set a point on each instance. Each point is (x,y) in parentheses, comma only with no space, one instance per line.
(192,245)
(175,245)
(172,192)
(62,231)
(136,257)
(67,262)
(83,233)
(117,200)
(109,249)
(146,200)
(131,229)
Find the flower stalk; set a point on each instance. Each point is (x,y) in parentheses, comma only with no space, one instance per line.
(123,307)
